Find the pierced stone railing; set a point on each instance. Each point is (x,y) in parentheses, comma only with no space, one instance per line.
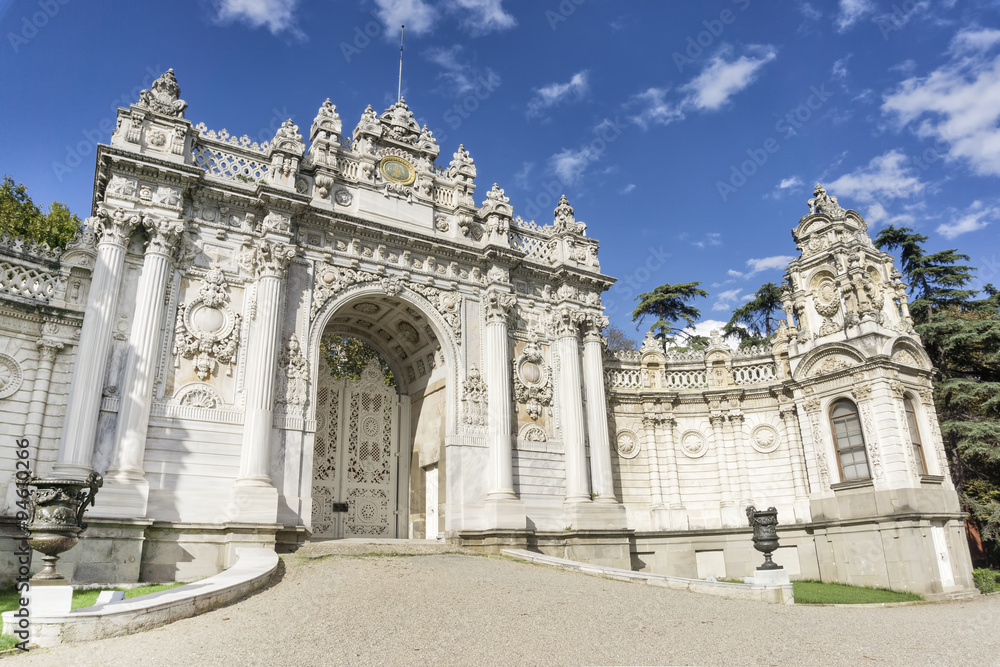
(536,246)
(623,378)
(686,379)
(28,270)
(762,373)
(229,165)
(223,136)
(15,245)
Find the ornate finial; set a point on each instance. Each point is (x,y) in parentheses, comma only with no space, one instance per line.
(823,203)
(564,212)
(164,97)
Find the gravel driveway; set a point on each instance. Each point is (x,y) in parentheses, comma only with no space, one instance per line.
(453,609)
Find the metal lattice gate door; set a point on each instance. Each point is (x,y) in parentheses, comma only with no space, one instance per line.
(355,456)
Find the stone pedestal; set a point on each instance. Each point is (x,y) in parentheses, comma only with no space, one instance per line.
(48,600)
(594,516)
(504,513)
(777,577)
(253,502)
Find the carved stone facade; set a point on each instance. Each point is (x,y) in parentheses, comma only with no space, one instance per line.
(213,267)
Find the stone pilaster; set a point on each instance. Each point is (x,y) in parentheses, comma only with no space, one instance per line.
(76,449)
(254,498)
(126,488)
(735,422)
(729,512)
(47,351)
(677,511)
(503,509)
(796,461)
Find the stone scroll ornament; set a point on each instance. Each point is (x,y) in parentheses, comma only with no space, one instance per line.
(532,385)
(765,534)
(164,97)
(207,330)
(55,516)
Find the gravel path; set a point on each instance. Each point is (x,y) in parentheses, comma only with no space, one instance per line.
(452,609)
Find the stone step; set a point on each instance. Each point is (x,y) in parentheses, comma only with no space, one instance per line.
(361,547)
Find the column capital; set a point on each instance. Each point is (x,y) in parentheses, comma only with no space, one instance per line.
(266,258)
(48,349)
(499,306)
(593,326)
(115,227)
(567,321)
(163,234)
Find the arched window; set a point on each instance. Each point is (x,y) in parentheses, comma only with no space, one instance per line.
(918,448)
(850,441)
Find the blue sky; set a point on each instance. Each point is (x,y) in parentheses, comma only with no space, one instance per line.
(688,135)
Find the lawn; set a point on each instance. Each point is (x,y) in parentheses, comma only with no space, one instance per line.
(10,601)
(816,592)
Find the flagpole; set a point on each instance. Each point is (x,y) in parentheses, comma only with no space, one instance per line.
(399,90)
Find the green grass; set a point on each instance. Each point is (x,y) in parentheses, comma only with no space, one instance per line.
(10,600)
(816,592)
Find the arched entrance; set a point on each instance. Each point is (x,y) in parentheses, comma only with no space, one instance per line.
(378,463)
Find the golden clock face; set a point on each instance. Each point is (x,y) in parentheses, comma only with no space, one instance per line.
(397,170)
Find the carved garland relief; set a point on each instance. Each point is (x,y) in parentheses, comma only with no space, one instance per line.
(207,330)
(532,382)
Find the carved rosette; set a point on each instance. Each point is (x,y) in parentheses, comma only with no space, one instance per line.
(207,330)
(10,375)
(116,227)
(764,439)
(474,400)
(627,444)
(693,444)
(532,381)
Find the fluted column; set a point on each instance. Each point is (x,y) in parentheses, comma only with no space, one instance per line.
(254,497)
(125,479)
(76,449)
(597,411)
(47,351)
(499,392)
(571,405)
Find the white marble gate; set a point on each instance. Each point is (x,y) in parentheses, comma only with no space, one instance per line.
(355,461)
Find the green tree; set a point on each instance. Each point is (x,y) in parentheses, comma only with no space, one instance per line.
(962,337)
(347,357)
(669,304)
(757,320)
(19,216)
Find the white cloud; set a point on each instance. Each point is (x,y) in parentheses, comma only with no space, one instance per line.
(722,78)
(957,104)
(851,11)
(727,300)
(417,15)
(655,110)
(810,12)
(706,327)
(976,217)
(556,93)
(569,164)
(276,15)
(459,73)
(709,91)
(756,266)
(792,182)
(972,39)
(628,188)
(885,178)
(840,67)
(484,16)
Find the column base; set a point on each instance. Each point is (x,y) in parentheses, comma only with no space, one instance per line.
(253,502)
(122,498)
(801,509)
(674,517)
(505,513)
(594,516)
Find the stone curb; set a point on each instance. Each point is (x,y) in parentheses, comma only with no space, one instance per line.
(252,570)
(770,594)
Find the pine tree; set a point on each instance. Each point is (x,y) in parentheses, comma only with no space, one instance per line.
(756,321)
(962,336)
(669,304)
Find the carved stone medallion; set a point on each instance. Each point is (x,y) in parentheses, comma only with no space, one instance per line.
(765,439)
(627,444)
(10,375)
(693,444)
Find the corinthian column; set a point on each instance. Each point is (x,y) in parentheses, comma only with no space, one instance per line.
(597,411)
(571,405)
(503,509)
(76,449)
(126,485)
(254,498)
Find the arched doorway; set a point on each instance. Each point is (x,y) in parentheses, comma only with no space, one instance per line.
(378,465)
